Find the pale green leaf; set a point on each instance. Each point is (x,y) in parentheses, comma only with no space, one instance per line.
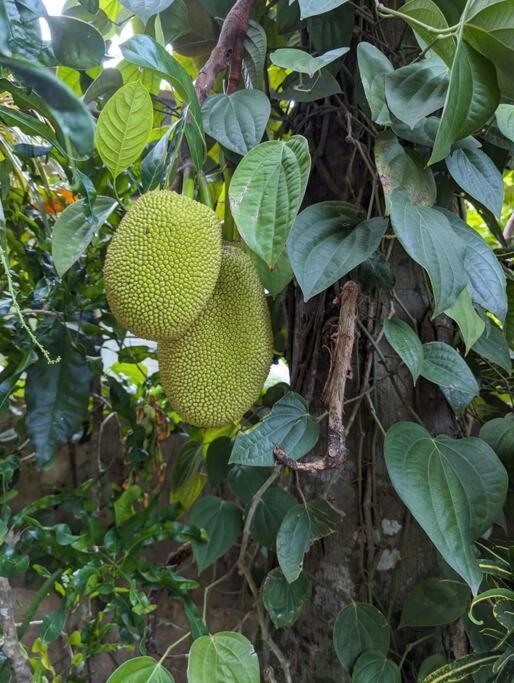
(303,62)
(470,324)
(435,602)
(407,345)
(224,656)
(146,8)
(311,8)
(124,127)
(141,670)
(478,176)
(373,69)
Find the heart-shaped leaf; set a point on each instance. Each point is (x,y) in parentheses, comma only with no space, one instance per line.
(470,324)
(374,667)
(359,627)
(222,521)
(224,656)
(302,62)
(435,602)
(284,601)
(407,345)
(373,69)
(327,241)
(311,8)
(443,365)
(141,670)
(455,488)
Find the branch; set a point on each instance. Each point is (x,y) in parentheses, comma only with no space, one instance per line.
(10,644)
(227,52)
(334,390)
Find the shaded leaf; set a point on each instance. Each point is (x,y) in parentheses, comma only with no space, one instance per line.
(407,345)
(493,346)
(53,625)
(284,601)
(427,12)
(374,667)
(359,627)
(505,120)
(443,365)
(76,43)
(478,176)
(146,8)
(373,69)
(308,89)
(434,602)
(222,520)
(270,512)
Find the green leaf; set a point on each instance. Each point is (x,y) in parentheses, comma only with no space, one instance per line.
(373,69)
(73,118)
(434,602)
(505,120)
(493,346)
(454,488)
(431,242)
(416,90)
(489,29)
(327,241)
(104,85)
(273,279)
(499,434)
(472,98)
(478,176)
(398,167)
(266,191)
(470,324)
(124,126)
(237,121)
(218,455)
(76,43)
(270,512)
(302,525)
(284,601)
(359,627)
(144,51)
(302,62)
(288,425)
(124,505)
(146,8)
(141,670)
(224,656)
(186,463)
(311,8)
(57,397)
(332,29)
(374,667)
(462,668)
(427,12)
(53,625)
(153,167)
(222,521)
(11,563)
(407,345)
(428,665)
(444,366)
(486,279)
(254,61)
(245,480)
(509,315)
(74,230)
(308,89)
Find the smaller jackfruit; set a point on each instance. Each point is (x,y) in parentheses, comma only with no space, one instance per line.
(214,373)
(162,264)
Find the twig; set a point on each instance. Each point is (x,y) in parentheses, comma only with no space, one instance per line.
(10,644)
(227,52)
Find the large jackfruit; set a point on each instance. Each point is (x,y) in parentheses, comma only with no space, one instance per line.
(162,264)
(214,373)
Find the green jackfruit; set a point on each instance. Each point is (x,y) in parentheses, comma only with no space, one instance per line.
(162,264)
(214,373)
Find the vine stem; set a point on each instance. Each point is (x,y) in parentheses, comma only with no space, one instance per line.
(439,32)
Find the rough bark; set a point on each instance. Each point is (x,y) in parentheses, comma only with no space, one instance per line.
(10,645)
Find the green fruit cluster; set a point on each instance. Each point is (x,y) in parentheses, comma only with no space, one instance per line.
(168,278)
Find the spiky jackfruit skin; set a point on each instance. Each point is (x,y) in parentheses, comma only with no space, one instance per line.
(214,373)
(162,264)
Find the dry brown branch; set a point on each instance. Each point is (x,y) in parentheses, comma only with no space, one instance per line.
(10,645)
(227,52)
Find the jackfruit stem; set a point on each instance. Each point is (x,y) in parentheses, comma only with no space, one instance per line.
(204,193)
(229,227)
(188,182)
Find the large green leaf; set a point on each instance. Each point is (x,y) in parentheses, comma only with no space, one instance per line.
(443,365)
(399,167)
(224,656)
(288,425)
(141,670)
(73,118)
(478,176)
(374,667)
(455,489)
(505,120)
(434,602)
(284,601)
(432,243)
(222,521)
(237,121)
(266,191)
(144,51)
(416,90)
(470,324)
(327,241)
(30,125)
(472,98)
(57,397)
(74,229)
(270,512)
(302,525)
(428,13)
(493,346)
(311,8)
(146,8)
(407,345)
(489,28)
(359,627)
(303,62)
(373,70)
(499,434)
(277,278)
(124,126)
(486,279)
(76,43)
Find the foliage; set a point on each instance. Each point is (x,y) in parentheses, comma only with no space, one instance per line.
(79,141)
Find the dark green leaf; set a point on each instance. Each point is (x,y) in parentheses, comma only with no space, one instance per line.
(222,520)
(428,665)
(11,563)
(277,278)
(20,21)
(302,525)
(289,425)
(443,365)
(310,8)
(76,43)
(284,601)
(373,69)
(428,13)
(153,167)
(434,602)
(270,512)
(256,47)
(104,85)
(30,125)
(407,345)
(53,625)
(505,120)
(373,667)
(245,481)
(224,656)
(478,176)
(493,346)
(146,8)
(467,665)
(308,89)
(124,505)
(359,627)
(218,455)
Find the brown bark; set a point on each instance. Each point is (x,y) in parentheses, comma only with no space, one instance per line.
(10,645)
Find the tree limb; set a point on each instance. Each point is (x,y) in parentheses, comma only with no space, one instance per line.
(10,644)
(227,52)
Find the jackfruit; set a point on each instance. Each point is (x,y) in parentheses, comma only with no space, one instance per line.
(214,373)
(162,264)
